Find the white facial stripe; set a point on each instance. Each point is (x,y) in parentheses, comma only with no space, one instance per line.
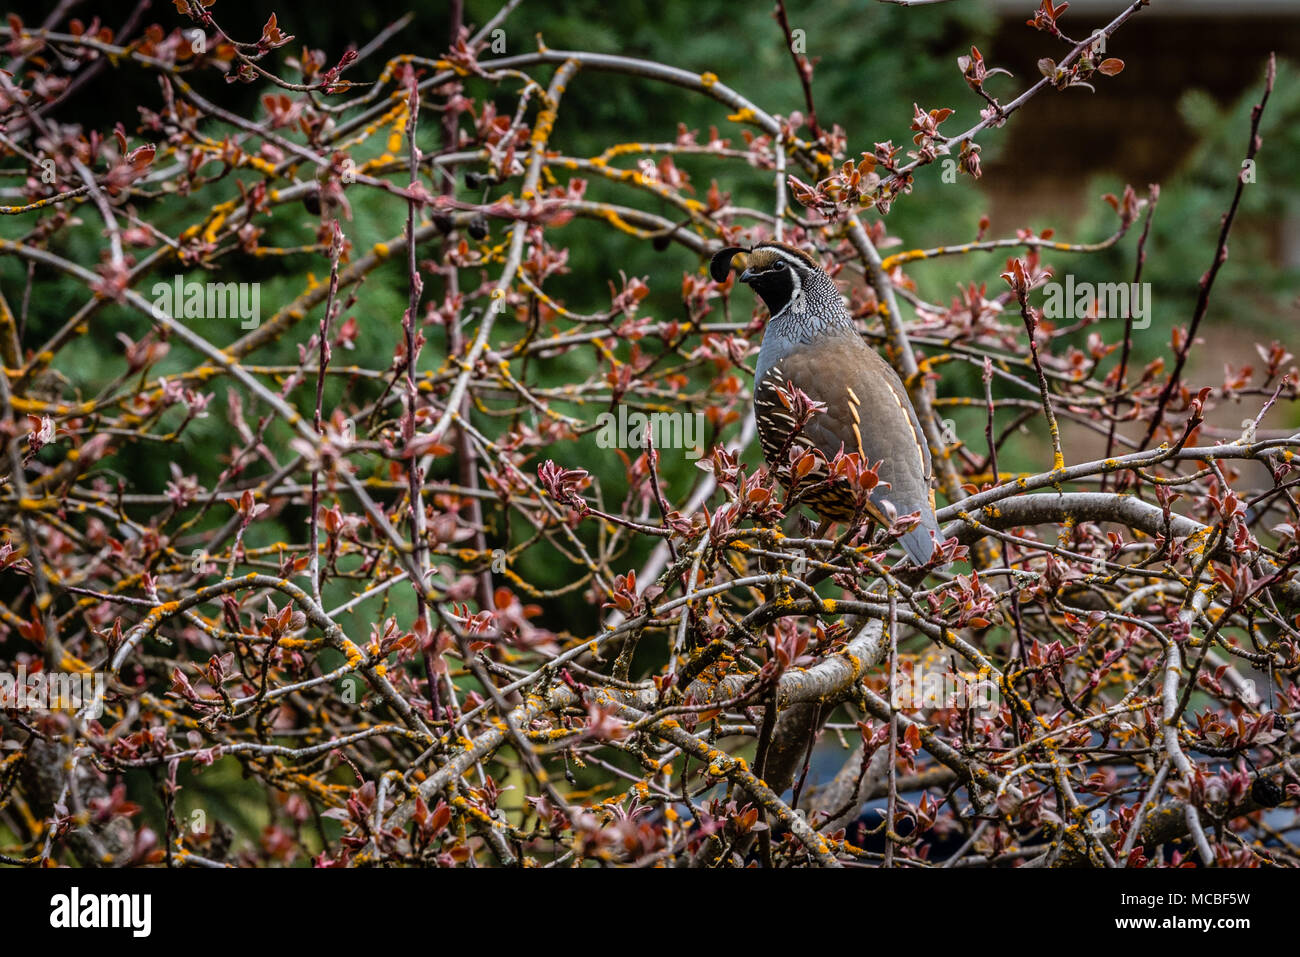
(796,291)
(790,258)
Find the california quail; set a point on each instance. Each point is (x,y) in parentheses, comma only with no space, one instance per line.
(811,343)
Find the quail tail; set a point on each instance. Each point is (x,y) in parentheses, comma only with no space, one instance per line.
(920,542)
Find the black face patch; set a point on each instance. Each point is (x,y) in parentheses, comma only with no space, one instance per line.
(775,285)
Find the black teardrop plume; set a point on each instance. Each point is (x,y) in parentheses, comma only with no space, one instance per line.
(720,264)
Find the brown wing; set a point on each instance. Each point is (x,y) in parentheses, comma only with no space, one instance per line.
(868,412)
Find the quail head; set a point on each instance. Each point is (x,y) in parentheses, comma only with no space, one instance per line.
(810,343)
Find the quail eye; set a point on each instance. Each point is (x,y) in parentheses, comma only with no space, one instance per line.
(780,264)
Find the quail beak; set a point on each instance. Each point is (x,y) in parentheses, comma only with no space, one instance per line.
(746,276)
